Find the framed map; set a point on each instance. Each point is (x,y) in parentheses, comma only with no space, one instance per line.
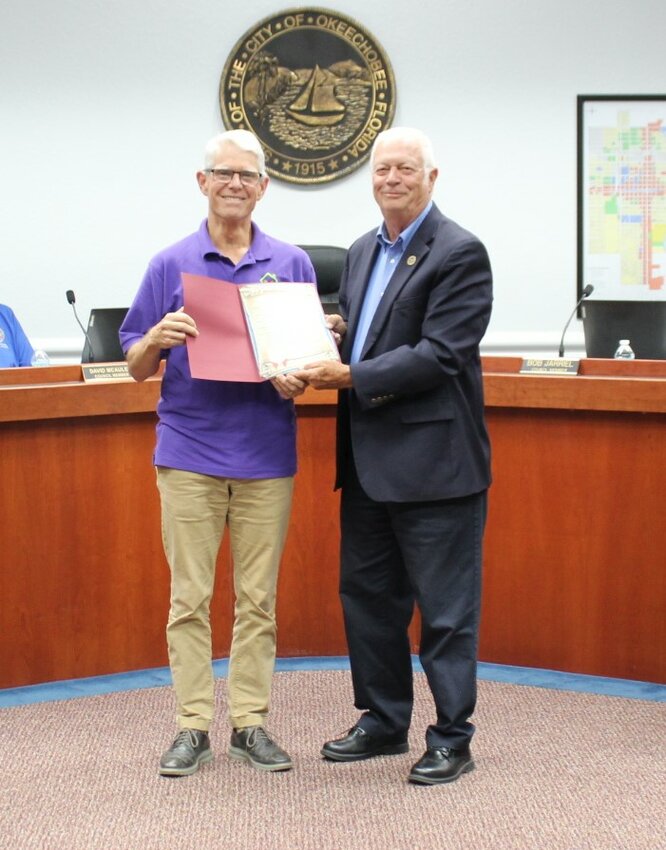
(622,196)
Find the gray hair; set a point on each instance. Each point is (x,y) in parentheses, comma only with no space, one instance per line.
(242,139)
(411,136)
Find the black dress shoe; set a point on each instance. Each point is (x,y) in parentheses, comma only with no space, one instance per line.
(358,744)
(441,764)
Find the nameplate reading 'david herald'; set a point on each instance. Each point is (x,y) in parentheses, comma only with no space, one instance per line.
(105,372)
(315,88)
(560,366)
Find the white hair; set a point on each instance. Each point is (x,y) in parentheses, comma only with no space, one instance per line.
(411,136)
(242,139)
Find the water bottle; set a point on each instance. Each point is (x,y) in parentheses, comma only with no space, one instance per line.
(624,351)
(40,358)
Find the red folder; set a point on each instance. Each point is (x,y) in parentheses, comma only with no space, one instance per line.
(223,350)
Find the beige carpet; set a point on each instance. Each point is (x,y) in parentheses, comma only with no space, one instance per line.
(555,771)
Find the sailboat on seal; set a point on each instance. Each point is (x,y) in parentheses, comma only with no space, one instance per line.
(316,103)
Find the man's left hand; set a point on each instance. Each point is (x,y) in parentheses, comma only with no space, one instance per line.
(328,375)
(288,386)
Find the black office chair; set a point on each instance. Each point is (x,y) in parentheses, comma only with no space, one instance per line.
(328,262)
(102,334)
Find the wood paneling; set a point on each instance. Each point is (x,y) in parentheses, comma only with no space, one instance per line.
(309,614)
(85,590)
(576,541)
(574,563)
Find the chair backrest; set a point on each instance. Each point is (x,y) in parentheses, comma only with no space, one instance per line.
(103,326)
(328,262)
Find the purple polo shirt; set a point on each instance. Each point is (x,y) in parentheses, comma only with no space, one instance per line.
(225,428)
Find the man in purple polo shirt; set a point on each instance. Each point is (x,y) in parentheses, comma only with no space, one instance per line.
(225,454)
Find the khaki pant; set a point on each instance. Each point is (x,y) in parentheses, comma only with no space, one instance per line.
(195,509)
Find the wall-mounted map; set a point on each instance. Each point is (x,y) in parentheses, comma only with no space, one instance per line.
(622,196)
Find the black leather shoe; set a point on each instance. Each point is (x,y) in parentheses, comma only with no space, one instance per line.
(441,764)
(255,745)
(190,749)
(358,744)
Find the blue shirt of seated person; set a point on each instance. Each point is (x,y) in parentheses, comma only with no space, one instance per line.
(15,348)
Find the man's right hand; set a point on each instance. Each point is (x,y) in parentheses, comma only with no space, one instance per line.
(143,358)
(337,325)
(172,330)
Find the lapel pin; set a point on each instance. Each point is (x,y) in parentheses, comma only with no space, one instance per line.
(411,260)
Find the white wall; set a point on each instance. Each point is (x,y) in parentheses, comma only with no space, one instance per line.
(105,108)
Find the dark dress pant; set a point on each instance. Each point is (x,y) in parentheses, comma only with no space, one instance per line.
(394,555)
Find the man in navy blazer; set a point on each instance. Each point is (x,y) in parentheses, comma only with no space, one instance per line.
(413,462)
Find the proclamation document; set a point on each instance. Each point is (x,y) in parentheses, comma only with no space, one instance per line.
(287,326)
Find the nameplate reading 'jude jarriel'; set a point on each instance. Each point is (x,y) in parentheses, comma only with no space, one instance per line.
(559,366)
(315,87)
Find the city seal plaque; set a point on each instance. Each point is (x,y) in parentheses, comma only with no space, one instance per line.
(314,87)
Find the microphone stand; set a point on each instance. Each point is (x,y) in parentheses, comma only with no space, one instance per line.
(589,289)
(71,298)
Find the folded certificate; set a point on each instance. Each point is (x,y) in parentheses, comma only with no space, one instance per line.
(254,331)
(222,351)
(287,326)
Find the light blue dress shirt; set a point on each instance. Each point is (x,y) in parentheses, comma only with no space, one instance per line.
(390,254)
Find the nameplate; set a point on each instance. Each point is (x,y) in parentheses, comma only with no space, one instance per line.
(105,372)
(560,366)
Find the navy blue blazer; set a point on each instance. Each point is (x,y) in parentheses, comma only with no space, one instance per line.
(415,415)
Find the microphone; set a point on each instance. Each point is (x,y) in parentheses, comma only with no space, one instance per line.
(71,299)
(589,289)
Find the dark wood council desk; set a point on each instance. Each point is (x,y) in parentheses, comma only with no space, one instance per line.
(574,555)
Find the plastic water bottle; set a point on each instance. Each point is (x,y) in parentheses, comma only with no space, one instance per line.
(40,358)
(624,351)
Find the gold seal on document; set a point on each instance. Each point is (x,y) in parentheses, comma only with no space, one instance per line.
(315,88)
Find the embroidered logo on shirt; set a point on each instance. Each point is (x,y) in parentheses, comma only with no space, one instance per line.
(269,277)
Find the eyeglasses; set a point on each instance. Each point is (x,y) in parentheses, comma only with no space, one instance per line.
(226,175)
